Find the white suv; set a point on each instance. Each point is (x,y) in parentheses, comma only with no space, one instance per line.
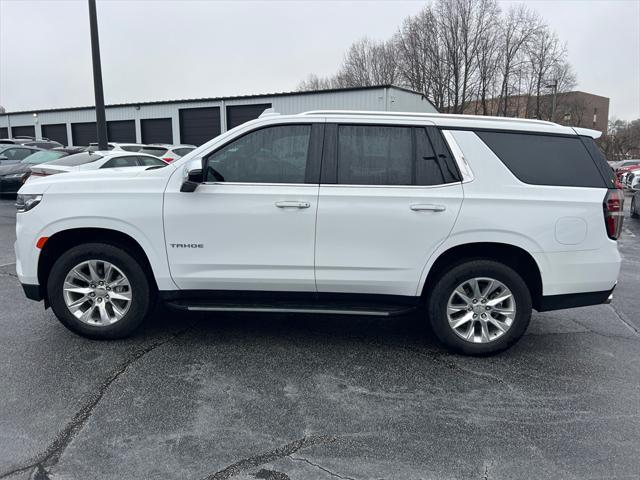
(478,219)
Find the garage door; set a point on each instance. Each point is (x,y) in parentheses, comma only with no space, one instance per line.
(4,132)
(156,130)
(199,125)
(28,131)
(239,114)
(82,134)
(123,131)
(57,132)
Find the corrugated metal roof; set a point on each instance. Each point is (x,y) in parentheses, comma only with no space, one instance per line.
(216,99)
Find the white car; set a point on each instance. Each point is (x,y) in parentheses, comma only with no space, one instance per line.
(479,219)
(127,147)
(96,160)
(166,152)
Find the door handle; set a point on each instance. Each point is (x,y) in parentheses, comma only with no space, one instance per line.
(292,204)
(420,207)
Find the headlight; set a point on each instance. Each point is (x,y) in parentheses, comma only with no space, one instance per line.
(26,202)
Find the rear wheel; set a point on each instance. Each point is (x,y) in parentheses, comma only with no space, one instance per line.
(479,307)
(99,291)
(634,208)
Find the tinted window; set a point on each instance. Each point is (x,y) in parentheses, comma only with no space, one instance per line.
(374,155)
(271,155)
(157,151)
(601,162)
(545,159)
(129,161)
(77,159)
(150,162)
(434,164)
(183,151)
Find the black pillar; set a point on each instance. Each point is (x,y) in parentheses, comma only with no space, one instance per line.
(101,121)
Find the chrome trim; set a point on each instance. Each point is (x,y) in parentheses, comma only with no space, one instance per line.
(463,166)
(288,310)
(428,207)
(292,204)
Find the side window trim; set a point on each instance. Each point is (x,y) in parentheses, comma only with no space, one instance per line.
(466,173)
(314,154)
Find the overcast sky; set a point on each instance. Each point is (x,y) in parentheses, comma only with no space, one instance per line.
(164,49)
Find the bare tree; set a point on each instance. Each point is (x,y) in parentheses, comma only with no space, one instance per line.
(463,52)
(314,82)
(368,63)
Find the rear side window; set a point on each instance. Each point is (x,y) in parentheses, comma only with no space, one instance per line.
(601,162)
(374,155)
(434,164)
(545,159)
(129,161)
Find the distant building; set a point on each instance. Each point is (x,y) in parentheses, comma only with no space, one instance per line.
(198,120)
(577,109)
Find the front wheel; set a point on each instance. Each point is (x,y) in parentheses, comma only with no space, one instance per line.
(99,291)
(479,307)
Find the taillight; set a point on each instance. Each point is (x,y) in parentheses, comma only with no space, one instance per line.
(613,212)
(39,174)
(168,159)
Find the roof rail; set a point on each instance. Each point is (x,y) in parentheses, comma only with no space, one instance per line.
(429,115)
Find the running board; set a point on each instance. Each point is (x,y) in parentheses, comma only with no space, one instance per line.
(378,310)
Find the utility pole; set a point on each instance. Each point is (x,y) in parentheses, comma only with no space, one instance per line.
(101,122)
(554,86)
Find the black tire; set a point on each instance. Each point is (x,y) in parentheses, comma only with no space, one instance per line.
(439,297)
(634,208)
(140,287)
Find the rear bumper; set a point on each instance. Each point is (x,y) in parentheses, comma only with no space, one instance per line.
(572,300)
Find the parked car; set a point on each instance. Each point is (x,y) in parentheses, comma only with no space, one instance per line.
(95,161)
(168,153)
(626,163)
(631,177)
(43,143)
(479,219)
(627,173)
(635,199)
(11,153)
(13,176)
(127,147)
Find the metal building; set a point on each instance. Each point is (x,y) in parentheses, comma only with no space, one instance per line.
(196,121)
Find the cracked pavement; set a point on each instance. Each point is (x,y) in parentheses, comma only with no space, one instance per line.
(289,397)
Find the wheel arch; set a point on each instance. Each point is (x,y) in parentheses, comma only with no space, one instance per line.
(513,256)
(63,240)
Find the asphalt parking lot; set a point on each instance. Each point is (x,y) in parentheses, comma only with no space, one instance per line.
(309,397)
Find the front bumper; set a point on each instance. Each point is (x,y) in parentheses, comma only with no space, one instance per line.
(10,186)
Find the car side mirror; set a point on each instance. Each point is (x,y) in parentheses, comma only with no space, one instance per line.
(192,179)
(2,157)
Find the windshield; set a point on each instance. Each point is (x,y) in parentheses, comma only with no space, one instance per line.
(42,157)
(77,159)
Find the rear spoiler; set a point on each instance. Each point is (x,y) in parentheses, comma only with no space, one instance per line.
(587,132)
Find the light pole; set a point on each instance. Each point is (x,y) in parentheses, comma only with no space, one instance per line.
(554,86)
(101,122)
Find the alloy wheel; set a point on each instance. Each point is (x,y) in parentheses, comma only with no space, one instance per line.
(481,310)
(97,292)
